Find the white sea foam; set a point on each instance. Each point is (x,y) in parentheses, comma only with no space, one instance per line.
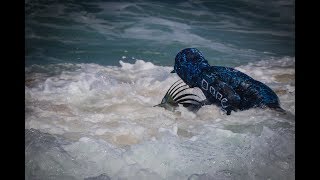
(101,120)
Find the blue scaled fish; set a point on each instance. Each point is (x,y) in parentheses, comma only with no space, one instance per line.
(177,94)
(225,87)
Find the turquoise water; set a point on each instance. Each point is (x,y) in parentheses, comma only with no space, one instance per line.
(231,33)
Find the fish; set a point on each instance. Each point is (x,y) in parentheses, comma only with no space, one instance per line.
(176,95)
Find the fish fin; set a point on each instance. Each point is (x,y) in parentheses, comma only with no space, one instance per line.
(184,95)
(188,99)
(279,109)
(174,94)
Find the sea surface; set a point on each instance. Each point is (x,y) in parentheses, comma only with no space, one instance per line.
(95,69)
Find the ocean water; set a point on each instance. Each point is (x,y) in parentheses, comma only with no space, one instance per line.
(95,69)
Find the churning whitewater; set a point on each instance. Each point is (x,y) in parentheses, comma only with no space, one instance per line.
(88,121)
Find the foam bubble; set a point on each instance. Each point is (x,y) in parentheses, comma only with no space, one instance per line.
(104,122)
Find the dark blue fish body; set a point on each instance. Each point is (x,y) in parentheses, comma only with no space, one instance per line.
(225,87)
